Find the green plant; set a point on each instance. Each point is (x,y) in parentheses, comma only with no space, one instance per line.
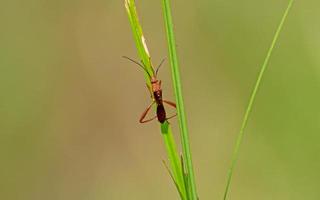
(191,186)
(181,167)
(251,101)
(182,172)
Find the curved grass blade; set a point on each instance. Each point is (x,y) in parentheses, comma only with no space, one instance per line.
(251,101)
(172,177)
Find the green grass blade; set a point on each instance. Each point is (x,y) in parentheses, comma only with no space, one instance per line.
(251,101)
(165,127)
(179,99)
(140,41)
(173,179)
(173,158)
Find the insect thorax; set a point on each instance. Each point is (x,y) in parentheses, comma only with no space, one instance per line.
(158,96)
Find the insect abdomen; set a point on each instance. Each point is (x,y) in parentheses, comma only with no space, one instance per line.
(161,113)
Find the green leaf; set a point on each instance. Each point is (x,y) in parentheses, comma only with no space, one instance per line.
(140,40)
(192,192)
(251,101)
(174,181)
(168,138)
(173,157)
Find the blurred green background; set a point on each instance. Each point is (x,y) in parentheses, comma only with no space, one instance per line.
(69,104)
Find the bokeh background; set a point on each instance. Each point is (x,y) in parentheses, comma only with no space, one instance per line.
(69,104)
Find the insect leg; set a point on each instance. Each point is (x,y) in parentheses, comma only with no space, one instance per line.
(171,116)
(159,66)
(171,104)
(144,114)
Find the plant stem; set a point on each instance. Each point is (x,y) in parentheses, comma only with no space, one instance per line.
(179,100)
(173,158)
(141,45)
(251,101)
(168,138)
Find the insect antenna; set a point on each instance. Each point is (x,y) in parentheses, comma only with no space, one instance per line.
(160,66)
(139,64)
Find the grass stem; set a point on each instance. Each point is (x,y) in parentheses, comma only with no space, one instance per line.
(144,55)
(191,186)
(251,101)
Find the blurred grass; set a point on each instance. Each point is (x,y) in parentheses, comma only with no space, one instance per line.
(62,98)
(235,154)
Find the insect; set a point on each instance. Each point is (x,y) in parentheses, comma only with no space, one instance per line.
(156,95)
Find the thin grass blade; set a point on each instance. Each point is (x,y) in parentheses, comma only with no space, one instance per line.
(179,99)
(168,138)
(251,101)
(173,157)
(173,179)
(140,40)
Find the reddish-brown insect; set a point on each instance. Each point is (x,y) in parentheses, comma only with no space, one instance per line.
(156,95)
